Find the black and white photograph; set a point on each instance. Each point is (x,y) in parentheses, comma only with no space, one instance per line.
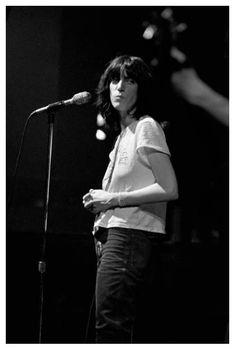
(117,174)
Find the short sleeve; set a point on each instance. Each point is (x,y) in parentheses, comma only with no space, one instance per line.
(150,134)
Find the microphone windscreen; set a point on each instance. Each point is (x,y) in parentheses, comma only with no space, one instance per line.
(81,98)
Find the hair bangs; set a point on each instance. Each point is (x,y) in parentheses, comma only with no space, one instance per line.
(120,67)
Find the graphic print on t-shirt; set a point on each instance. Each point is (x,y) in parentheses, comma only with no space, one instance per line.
(123,157)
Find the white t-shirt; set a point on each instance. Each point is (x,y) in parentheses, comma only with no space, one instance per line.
(132,171)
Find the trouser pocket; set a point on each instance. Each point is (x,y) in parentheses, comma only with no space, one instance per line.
(100,240)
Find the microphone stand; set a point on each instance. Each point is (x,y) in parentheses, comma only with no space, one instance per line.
(42,262)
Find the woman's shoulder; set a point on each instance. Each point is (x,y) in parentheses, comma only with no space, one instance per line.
(147,119)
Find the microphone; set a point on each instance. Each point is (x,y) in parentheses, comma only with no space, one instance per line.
(78,99)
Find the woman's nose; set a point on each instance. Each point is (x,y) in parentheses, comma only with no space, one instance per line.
(120,85)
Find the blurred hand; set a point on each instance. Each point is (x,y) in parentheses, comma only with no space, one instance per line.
(187,83)
(189,86)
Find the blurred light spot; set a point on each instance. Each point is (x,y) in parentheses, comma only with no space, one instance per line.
(181,27)
(154,62)
(167,13)
(149,32)
(100,120)
(100,135)
(178,55)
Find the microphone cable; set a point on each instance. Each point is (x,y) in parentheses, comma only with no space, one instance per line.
(11,195)
(89,318)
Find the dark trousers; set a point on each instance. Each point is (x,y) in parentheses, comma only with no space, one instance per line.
(123,262)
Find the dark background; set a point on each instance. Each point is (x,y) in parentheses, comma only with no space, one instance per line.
(51,54)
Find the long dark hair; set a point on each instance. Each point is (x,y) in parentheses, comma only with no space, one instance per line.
(136,69)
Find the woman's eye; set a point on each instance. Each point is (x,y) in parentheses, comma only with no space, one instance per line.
(115,80)
(131,81)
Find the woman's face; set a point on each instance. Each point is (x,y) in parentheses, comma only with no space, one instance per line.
(123,93)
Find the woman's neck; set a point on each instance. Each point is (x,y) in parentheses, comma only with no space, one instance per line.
(126,119)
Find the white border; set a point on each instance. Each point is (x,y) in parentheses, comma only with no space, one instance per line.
(3,149)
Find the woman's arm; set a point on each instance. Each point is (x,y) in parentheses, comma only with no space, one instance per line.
(164,189)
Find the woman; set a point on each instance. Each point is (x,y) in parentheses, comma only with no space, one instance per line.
(131,207)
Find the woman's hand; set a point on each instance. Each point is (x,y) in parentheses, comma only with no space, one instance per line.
(99,200)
